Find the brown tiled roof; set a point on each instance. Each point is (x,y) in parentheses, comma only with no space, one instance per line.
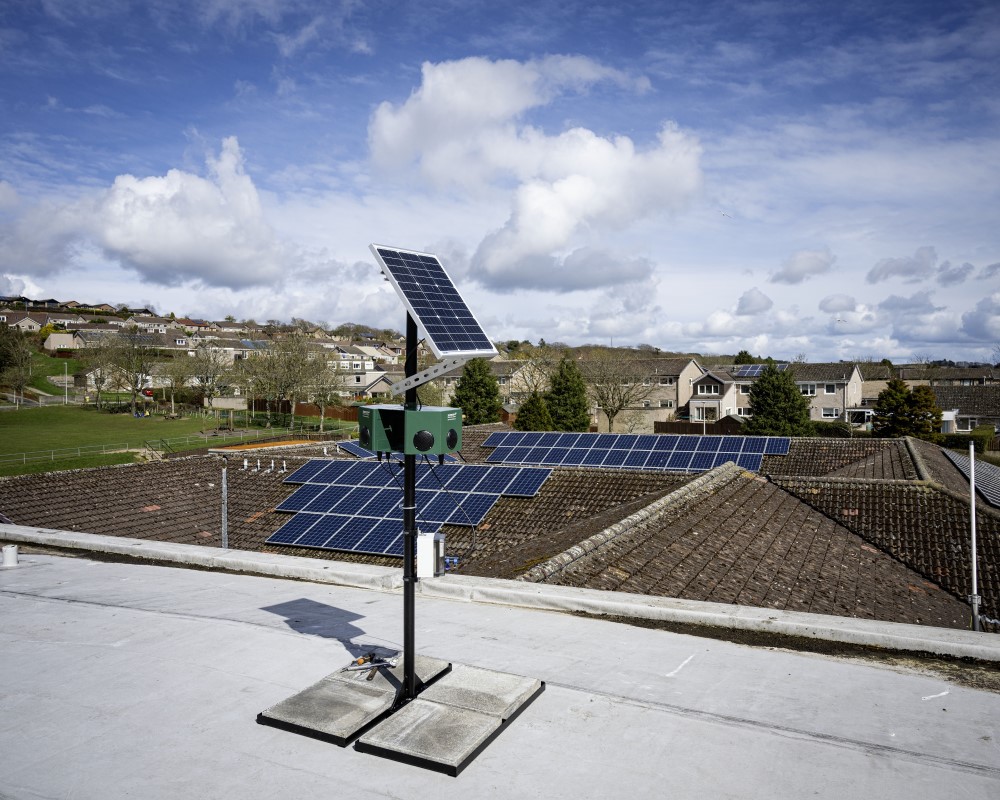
(925,527)
(976,401)
(756,542)
(738,538)
(859,458)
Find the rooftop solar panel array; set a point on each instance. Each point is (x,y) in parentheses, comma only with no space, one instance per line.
(355,506)
(754,370)
(987,476)
(434,303)
(633,451)
(355,449)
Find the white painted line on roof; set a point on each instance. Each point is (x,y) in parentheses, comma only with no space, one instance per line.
(683,664)
(932,696)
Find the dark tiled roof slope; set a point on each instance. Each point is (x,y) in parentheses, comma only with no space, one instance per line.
(746,541)
(924,527)
(872,458)
(520,529)
(936,466)
(977,401)
(179,500)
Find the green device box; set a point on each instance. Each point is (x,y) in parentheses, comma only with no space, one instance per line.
(429,430)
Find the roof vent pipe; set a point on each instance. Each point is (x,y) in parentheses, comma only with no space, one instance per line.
(10,555)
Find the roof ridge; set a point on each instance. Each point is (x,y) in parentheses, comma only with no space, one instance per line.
(688,493)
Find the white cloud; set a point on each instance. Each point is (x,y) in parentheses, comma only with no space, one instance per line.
(803,265)
(170,229)
(912,269)
(11,286)
(753,301)
(464,128)
(983,324)
(835,303)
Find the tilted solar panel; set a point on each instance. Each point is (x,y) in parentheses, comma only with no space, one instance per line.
(632,451)
(432,300)
(356,506)
(987,476)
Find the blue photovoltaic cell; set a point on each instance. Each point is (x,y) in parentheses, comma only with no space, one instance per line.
(300,498)
(473,508)
(702,461)
(636,459)
(306,471)
(500,454)
(497,480)
(528,482)
(629,451)
(332,471)
(496,439)
(292,530)
(355,449)
(615,458)
(381,537)
(435,304)
(680,459)
(350,533)
(750,461)
(658,459)
(361,510)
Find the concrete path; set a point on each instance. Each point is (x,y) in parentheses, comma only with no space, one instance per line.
(124,680)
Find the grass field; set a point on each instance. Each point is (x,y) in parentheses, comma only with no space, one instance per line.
(57,427)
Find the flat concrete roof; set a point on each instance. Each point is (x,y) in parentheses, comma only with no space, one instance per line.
(124,679)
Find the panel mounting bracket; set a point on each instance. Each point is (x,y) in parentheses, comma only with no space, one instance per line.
(429,374)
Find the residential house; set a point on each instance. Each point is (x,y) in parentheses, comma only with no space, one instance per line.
(969,406)
(150,323)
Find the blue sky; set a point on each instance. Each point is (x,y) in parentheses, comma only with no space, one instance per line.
(817,179)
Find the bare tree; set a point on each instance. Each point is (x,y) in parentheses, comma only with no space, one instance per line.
(209,369)
(616,380)
(99,364)
(178,372)
(535,368)
(283,371)
(327,389)
(133,355)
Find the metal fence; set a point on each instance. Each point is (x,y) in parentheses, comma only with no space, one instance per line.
(63,453)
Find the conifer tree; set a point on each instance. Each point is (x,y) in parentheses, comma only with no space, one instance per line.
(533,415)
(566,400)
(777,406)
(901,411)
(477,393)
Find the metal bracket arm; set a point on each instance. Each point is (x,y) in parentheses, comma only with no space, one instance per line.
(429,374)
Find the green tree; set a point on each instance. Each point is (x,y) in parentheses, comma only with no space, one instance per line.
(902,412)
(566,399)
(15,359)
(533,415)
(743,357)
(477,393)
(777,406)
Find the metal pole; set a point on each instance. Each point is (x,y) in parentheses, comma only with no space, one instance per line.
(225,504)
(65,383)
(409,526)
(972,513)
